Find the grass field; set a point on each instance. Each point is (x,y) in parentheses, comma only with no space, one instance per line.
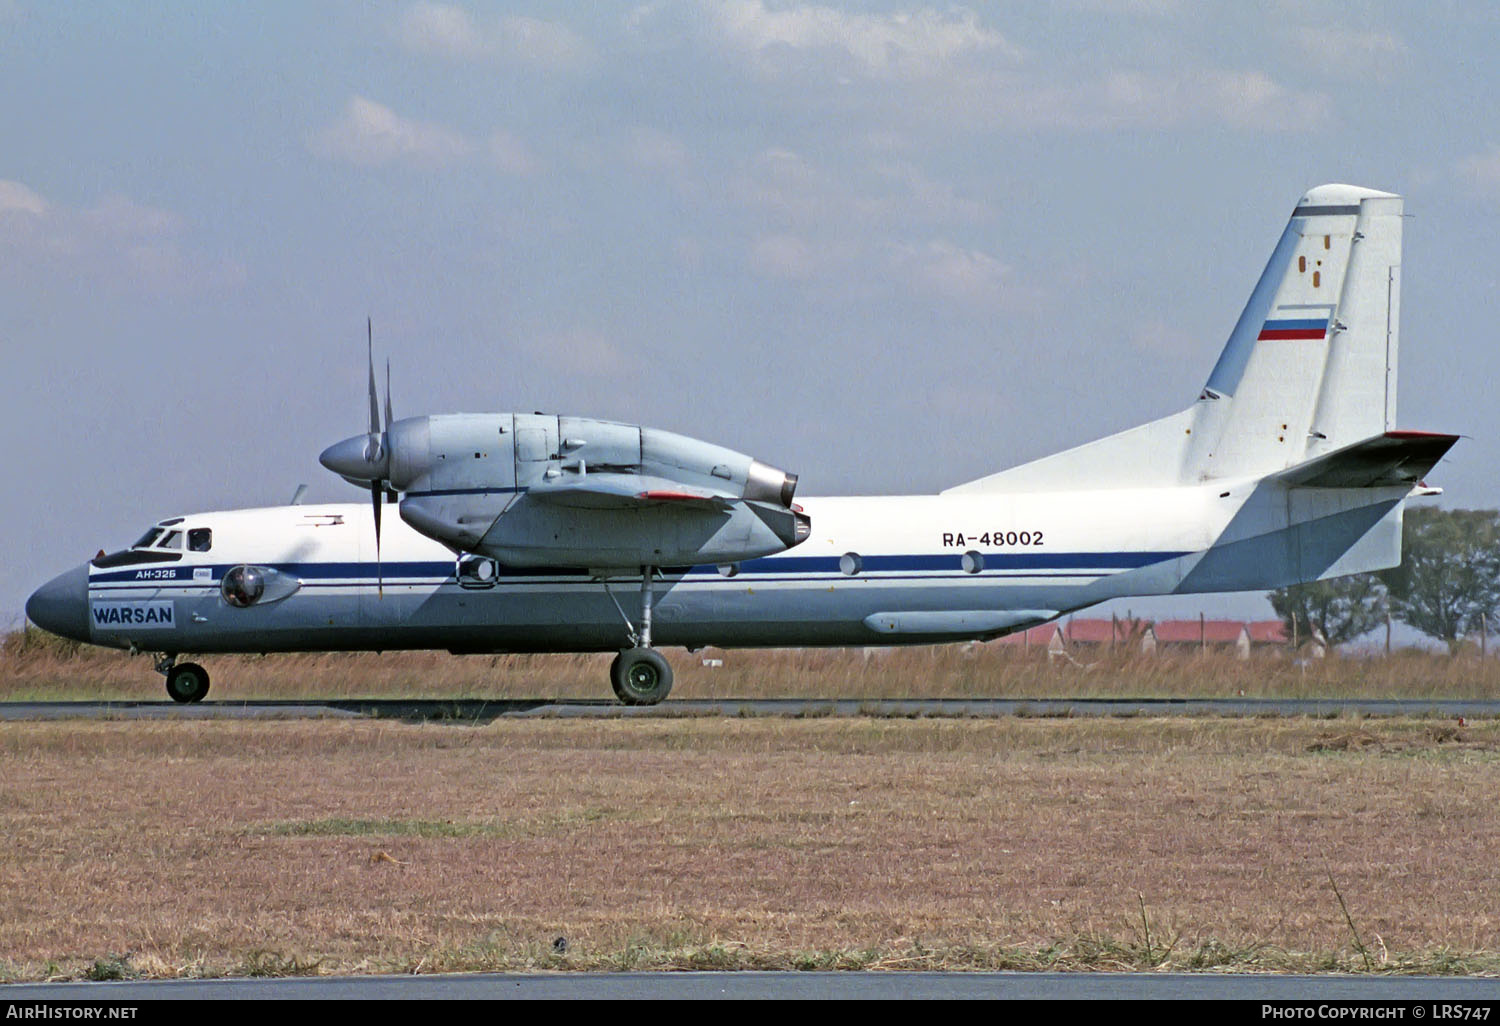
(36,666)
(219,847)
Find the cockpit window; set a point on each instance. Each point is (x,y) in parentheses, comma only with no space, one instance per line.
(173,540)
(147,538)
(200,539)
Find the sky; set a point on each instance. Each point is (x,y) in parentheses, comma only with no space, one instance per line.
(889,247)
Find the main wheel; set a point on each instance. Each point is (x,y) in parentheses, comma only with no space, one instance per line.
(187,682)
(640,676)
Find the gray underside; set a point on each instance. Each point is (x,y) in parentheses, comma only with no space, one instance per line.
(544,617)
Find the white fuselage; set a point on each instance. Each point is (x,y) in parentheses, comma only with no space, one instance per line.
(876,570)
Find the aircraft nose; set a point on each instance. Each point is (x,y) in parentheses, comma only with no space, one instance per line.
(62,605)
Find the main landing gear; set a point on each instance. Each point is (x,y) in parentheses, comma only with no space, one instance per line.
(186,682)
(639,675)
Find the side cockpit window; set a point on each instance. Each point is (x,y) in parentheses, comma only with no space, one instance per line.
(173,540)
(200,539)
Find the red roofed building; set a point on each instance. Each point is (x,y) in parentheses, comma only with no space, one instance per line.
(1268,632)
(1202,635)
(1274,634)
(1131,636)
(1092,632)
(1046,638)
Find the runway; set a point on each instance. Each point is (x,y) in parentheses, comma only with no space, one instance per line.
(479,710)
(923,986)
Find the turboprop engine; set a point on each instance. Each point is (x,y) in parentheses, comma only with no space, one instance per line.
(547,491)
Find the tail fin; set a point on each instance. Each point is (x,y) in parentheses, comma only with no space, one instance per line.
(1311,365)
(1309,368)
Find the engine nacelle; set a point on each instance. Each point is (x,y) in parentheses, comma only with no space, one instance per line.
(538,490)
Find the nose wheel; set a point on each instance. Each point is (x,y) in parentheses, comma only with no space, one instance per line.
(640,676)
(186,682)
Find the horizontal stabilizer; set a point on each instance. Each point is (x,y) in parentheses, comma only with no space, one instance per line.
(627,491)
(1395,458)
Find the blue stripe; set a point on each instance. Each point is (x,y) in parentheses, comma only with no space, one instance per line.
(952,580)
(992,561)
(822,579)
(1040,562)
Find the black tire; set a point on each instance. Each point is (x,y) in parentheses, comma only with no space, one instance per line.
(187,682)
(640,676)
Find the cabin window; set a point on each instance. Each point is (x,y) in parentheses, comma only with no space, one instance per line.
(243,586)
(200,539)
(147,538)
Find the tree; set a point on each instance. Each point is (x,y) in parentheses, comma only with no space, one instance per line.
(1340,609)
(1448,582)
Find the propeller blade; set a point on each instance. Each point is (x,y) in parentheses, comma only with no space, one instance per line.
(375,491)
(374,402)
(388,417)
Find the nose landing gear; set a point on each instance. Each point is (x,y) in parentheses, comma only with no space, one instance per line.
(186,682)
(639,674)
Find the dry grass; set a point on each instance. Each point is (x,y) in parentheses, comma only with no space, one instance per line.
(276,848)
(32,667)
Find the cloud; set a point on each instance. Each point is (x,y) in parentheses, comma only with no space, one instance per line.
(988,99)
(547,44)
(582,350)
(370,134)
(899,43)
(1242,99)
(512,156)
(1348,50)
(789,257)
(939,201)
(652,150)
(852,230)
(944,269)
(442,30)
(15,197)
(890,75)
(1136,8)
(117,241)
(445,30)
(1480,172)
(1158,338)
(783,185)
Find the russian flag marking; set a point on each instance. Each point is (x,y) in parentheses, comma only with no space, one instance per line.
(1285,330)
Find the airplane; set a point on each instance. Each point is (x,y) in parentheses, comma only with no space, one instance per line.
(545,533)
